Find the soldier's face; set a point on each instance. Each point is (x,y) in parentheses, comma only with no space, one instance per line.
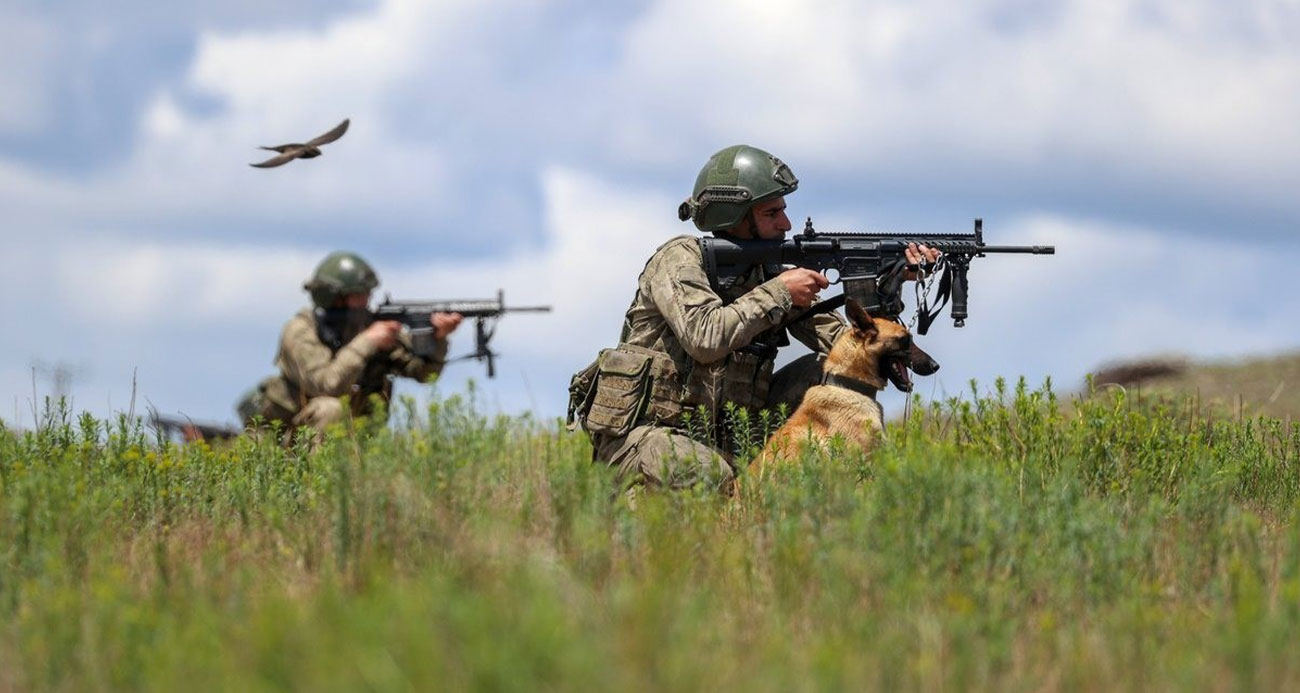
(767,220)
(356,300)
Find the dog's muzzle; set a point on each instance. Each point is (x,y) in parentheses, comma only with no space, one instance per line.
(920,362)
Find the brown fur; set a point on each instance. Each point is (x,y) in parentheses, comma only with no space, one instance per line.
(826,410)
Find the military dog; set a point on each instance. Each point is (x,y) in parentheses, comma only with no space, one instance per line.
(862,362)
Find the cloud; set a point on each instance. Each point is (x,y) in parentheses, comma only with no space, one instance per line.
(1096,102)
(124,284)
(28,42)
(1164,113)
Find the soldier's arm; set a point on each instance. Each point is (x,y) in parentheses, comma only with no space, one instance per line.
(819,332)
(309,363)
(707,329)
(406,363)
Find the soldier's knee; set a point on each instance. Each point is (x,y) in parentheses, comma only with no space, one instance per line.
(320,412)
(665,457)
(671,459)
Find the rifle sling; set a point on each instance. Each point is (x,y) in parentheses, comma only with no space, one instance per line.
(924,318)
(826,306)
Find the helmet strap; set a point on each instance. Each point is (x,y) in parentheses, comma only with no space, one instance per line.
(747,224)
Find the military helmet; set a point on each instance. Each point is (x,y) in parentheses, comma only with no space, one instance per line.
(339,274)
(731,182)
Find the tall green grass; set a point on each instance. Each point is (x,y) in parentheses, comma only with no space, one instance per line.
(1005,542)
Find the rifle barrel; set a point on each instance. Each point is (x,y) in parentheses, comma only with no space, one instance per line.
(461,307)
(1027,249)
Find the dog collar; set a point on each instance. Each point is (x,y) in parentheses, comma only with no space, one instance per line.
(861,387)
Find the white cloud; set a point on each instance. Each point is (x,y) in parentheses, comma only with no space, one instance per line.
(1169,99)
(598,236)
(26,51)
(1146,90)
(114,281)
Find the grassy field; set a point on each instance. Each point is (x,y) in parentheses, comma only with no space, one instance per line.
(1009,543)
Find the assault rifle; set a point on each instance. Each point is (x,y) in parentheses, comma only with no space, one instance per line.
(871,266)
(415,315)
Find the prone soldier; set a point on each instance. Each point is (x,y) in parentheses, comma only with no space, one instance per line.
(690,343)
(335,349)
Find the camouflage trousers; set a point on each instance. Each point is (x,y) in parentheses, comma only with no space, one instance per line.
(669,457)
(317,413)
(320,412)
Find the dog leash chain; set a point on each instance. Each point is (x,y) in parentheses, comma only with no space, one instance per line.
(924,285)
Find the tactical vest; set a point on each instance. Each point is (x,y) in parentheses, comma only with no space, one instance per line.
(630,385)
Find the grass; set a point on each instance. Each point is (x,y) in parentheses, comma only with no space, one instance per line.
(1008,542)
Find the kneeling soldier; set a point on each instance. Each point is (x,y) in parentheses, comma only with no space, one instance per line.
(690,343)
(335,349)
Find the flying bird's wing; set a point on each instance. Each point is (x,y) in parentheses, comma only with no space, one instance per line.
(282,148)
(284,158)
(332,135)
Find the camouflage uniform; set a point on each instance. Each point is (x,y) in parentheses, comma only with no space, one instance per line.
(317,368)
(688,344)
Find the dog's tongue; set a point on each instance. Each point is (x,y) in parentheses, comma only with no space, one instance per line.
(902,379)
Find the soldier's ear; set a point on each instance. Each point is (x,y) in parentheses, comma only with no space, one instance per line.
(859,317)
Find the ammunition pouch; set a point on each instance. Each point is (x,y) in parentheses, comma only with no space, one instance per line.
(622,387)
(625,387)
(629,386)
(746,378)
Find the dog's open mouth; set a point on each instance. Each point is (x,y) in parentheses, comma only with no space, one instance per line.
(895,368)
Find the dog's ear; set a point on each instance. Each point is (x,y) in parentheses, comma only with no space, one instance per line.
(859,317)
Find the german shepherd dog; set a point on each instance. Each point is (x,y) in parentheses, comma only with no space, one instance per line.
(862,362)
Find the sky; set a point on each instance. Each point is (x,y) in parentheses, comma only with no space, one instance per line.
(541,147)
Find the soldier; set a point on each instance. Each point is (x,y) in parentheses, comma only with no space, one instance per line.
(333,349)
(689,343)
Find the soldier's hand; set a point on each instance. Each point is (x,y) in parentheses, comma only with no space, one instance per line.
(383,334)
(803,285)
(916,255)
(444,323)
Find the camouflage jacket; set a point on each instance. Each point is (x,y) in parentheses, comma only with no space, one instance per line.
(309,367)
(723,341)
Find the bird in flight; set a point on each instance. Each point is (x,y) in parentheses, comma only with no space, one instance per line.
(310,150)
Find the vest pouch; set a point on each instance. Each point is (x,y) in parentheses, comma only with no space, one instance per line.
(747,379)
(279,391)
(622,391)
(275,399)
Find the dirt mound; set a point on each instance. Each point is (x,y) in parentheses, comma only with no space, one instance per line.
(1140,371)
(1262,385)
